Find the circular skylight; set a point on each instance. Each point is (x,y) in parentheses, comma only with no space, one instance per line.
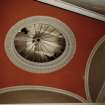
(40,44)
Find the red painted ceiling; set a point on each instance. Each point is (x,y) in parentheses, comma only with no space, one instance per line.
(71,77)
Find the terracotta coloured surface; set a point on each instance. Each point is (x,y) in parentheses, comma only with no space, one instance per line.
(87,32)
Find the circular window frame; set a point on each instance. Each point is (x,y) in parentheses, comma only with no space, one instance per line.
(42,88)
(33,67)
(48,41)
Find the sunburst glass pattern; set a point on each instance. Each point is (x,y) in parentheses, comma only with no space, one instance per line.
(39,43)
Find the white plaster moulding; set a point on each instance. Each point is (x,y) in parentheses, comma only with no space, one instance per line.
(74,8)
(90,58)
(35,67)
(44,88)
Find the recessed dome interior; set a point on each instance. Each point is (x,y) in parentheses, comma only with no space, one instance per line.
(39,43)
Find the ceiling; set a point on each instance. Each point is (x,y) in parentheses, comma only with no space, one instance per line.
(95,5)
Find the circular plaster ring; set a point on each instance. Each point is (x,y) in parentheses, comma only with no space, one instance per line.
(72,96)
(33,67)
(94,51)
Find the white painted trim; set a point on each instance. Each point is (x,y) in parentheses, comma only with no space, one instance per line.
(51,89)
(88,67)
(74,8)
(35,67)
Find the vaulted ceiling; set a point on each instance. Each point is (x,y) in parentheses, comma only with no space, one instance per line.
(95,5)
